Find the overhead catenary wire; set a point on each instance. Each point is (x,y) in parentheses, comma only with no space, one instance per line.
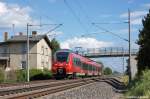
(75,15)
(44,24)
(83,10)
(111,22)
(107,31)
(102,22)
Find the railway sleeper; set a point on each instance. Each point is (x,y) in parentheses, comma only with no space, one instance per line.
(42,92)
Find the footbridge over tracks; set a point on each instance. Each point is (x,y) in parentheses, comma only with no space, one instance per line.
(111,52)
(107,52)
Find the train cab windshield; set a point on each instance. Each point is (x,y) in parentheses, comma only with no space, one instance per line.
(62,56)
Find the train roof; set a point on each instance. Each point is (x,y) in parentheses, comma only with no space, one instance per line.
(70,51)
(88,59)
(65,50)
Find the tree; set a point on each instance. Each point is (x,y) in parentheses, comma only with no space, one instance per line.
(116,73)
(107,71)
(54,45)
(144,44)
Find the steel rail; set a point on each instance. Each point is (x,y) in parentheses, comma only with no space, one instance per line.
(22,89)
(40,91)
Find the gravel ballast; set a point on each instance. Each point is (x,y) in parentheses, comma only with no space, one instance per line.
(98,90)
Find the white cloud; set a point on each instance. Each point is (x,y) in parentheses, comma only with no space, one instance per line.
(126,30)
(131,1)
(136,21)
(84,42)
(15,14)
(146,5)
(134,14)
(136,17)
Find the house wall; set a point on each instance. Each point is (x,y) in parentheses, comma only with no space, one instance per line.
(44,56)
(3,57)
(16,52)
(39,58)
(18,55)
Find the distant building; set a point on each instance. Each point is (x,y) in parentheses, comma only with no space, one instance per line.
(13,52)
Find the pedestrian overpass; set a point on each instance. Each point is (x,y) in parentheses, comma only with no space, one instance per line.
(107,52)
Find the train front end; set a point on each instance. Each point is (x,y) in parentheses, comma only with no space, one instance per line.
(60,64)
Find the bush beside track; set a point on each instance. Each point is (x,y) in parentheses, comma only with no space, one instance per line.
(140,86)
(20,75)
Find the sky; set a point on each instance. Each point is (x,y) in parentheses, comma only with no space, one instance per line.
(77,17)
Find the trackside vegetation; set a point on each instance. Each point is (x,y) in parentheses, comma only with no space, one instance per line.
(140,86)
(107,71)
(21,75)
(143,57)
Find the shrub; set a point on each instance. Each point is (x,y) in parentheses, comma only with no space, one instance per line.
(140,87)
(36,74)
(47,74)
(1,75)
(125,79)
(21,75)
(107,71)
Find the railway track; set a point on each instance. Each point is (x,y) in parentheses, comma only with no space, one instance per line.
(38,90)
(3,85)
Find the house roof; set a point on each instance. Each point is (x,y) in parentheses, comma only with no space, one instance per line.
(23,38)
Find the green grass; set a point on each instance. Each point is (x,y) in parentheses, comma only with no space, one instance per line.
(21,75)
(1,75)
(140,86)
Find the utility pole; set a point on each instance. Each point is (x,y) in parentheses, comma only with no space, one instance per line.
(129,45)
(28,49)
(13,29)
(28,76)
(123,60)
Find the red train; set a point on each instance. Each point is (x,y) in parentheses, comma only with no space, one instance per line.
(67,63)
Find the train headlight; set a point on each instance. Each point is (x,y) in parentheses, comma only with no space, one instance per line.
(60,71)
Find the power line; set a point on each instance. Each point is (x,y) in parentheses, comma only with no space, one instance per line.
(75,15)
(83,11)
(84,35)
(40,14)
(110,22)
(110,32)
(54,28)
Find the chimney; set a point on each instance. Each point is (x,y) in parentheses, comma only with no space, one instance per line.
(5,36)
(20,33)
(34,33)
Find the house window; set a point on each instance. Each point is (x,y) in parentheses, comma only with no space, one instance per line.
(47,64)
(24,48)
(42,63)
(46,51)
(42,50)
(4,51)
(23,65)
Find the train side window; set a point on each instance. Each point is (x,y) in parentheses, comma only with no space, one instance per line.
(77,61)
(89,67)
(74,62)
(81,65)
(86,66)
(94,68)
